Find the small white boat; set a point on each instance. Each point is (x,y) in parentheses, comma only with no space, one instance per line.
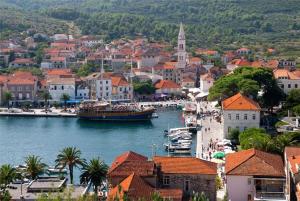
(154,115)
(53,170)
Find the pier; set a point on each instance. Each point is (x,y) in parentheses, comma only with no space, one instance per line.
(14,112)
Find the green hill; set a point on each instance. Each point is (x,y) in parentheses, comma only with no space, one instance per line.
(209,23)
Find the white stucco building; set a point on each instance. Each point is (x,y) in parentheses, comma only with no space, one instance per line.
(206,81)
(240,112)
(58,86)
(287,80)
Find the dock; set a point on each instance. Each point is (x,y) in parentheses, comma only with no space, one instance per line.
(14,112)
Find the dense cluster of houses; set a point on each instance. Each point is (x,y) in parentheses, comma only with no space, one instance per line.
(171,71)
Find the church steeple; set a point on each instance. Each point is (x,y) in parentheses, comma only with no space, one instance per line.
(181,52)
(181,35)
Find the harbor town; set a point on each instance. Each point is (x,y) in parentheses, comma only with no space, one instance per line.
(135,119)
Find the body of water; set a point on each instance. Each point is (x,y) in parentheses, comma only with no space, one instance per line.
(45,137)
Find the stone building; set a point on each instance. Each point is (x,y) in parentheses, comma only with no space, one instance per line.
(188,174)
(174,178)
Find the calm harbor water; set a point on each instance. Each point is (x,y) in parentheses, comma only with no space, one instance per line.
(20,137)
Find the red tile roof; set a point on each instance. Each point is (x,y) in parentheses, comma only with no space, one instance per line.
(294,75)
(253,162)
(59,71)
(23,61)
(127,156)
(292,151)
(166,84)
(134,187)
(21,78)
(185,165)
(119,81)
(59,59)
(240,102)
(241,62)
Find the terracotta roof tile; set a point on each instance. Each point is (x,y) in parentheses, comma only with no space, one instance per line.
(118,81)
(239,102)
(294,75)
(127,156)
(59,71)
(166,84)
(185,165)
(134,187)
(255,163)
(292,151)
(23,61)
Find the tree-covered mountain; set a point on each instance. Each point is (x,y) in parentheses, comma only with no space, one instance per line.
(209,23)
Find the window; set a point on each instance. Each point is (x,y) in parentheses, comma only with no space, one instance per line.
(282,86)
(296,85)
(62,87)
(249,197)
(245,116)
(229,116)
(186,185)
(245,128)
(166,180)
(253,116)
(106,88)
(237,117)
(289,85)
(27,95)
(55,87)
(106,82)
(249,181)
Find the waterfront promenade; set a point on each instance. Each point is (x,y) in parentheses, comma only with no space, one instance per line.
(59,112)
(211,128)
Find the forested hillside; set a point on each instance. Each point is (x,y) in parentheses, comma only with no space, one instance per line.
(209,23)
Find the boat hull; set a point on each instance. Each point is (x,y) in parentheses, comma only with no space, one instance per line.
(118,116)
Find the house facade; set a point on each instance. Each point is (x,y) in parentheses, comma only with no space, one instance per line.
(254,175)
(58,86)
(174,178)
(240,112)
(292,167)
(23,87)
(206,81)
(188,174)
(167,87)
(287,80)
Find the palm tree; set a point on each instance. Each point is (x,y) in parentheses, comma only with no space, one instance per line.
(34,166)
(65,98)
(71,157)
(95,171)
(7,175)
(46,96)
(7,97)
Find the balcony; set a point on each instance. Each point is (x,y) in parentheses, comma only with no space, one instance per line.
(269,189)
